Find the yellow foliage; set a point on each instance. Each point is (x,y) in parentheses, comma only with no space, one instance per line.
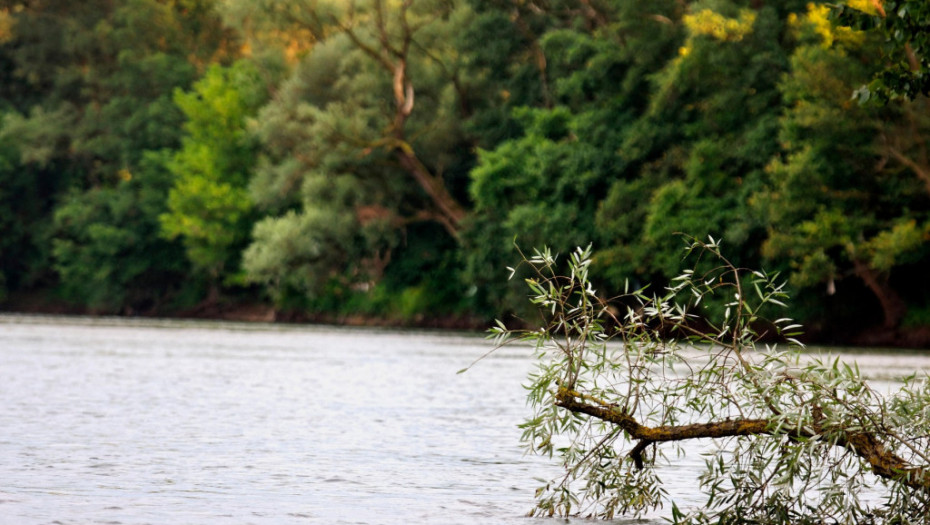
(872,7)
(295,49)
(707,22)
(294,42)
(124,175)
(6,26)
(246,49)
(818,17)
(886,248)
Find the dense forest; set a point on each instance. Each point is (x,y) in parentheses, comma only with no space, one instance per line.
(382,160)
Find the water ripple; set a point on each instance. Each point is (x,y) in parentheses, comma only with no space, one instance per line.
(133,422)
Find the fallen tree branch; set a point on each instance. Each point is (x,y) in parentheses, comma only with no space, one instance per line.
(883,462)
(808,436)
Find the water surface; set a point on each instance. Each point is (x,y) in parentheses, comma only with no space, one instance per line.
(115,421)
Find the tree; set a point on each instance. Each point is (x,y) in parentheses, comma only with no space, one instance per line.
(902,25)
(23,213)
(699,149)
(107,250)
(661,117)
(548,180)
(795,440)
(849,196)
(106,73)
(88,102)
(533,187)
(363,145)
(393,46)
(209,205)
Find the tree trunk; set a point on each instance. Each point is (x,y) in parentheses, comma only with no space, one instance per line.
(392,54)
(450,212)
(893,307)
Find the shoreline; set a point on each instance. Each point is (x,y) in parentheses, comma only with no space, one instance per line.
(877,337)
(244,312)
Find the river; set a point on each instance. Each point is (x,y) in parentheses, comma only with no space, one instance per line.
(116,421)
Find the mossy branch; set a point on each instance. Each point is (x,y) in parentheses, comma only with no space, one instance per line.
(884,463)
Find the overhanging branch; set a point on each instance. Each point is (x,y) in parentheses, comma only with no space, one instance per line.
(883,462)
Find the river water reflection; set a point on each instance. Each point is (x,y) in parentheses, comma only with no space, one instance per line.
(131,422)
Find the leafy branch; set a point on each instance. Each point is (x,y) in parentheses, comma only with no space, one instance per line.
(797,439)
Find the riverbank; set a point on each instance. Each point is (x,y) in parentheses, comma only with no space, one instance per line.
(252,311)
(244,311)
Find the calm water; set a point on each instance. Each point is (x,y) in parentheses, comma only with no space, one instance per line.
(127,422)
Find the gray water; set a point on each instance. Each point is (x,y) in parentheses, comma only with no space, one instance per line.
(168,422)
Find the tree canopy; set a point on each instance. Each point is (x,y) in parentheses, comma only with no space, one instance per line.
(376,159)
(902,26)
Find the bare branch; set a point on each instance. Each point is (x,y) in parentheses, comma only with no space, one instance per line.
(921,171)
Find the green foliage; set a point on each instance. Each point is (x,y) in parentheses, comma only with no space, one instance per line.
(536,180)
(902,25)
(621,383)
(100,78)
(294,253)
(660,125)
(917,317)
(704,140)
(532,187)
(716,118)
(209,205)
(17,196)
(363,152)
(833,207)
(106,247)
(90,110)
(363,143)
